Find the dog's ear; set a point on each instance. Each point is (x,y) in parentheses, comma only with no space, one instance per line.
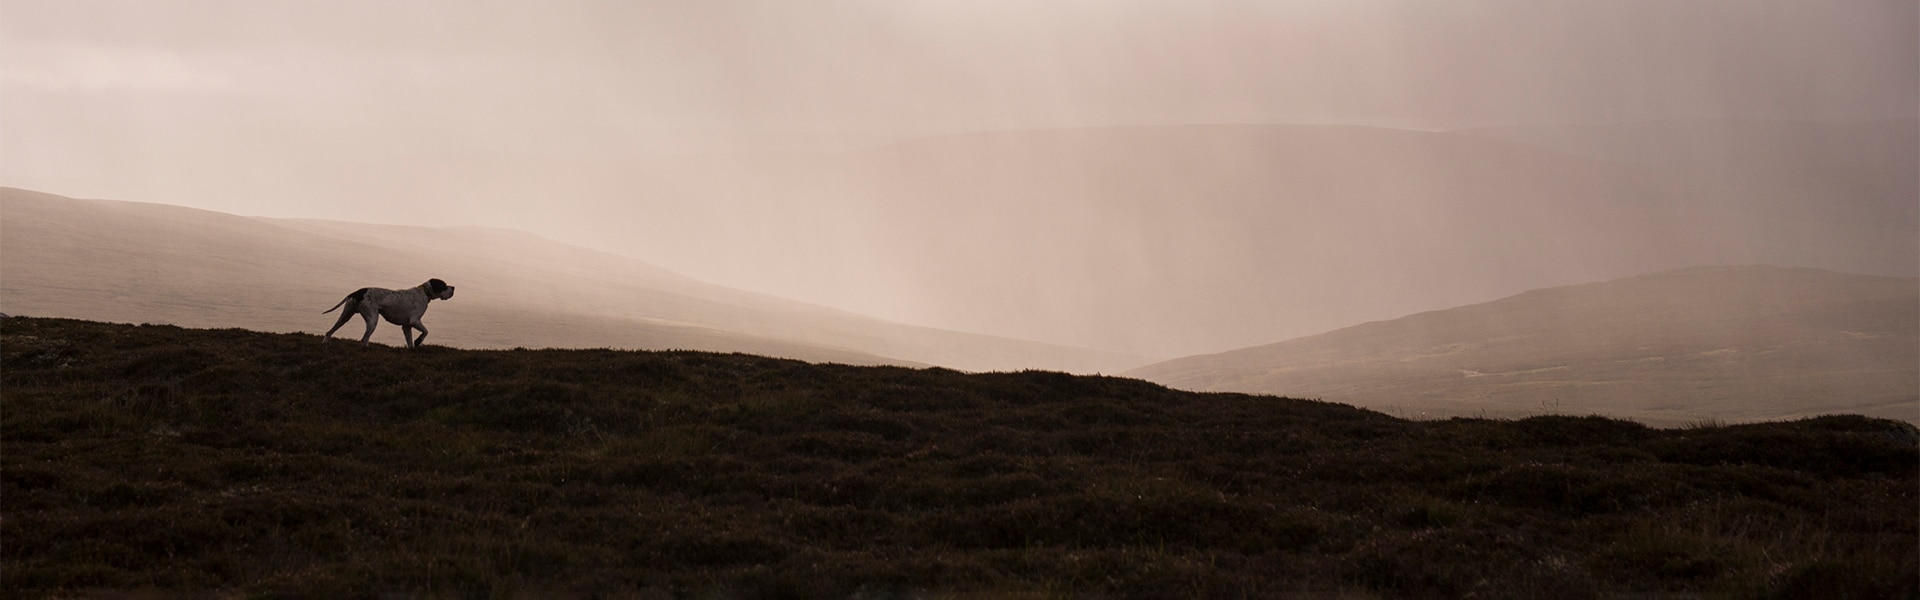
(437,285)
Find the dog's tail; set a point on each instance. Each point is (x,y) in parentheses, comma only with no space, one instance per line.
(355,297)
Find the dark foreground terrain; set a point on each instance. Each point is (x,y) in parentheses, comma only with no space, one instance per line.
(148,458)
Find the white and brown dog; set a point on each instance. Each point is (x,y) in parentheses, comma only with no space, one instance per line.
(400,307)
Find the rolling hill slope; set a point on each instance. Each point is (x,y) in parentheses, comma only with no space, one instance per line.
(1734,343)
(132,262)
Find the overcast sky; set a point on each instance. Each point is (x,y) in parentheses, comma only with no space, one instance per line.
(130,98)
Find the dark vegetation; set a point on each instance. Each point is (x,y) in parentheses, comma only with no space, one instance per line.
(235,462)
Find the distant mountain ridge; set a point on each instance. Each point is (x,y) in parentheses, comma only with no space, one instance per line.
(134,262)
(1741,343)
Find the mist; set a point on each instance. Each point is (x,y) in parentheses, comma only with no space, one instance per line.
(1144,177)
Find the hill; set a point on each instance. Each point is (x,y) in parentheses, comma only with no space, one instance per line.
(1205,238)
(134,262)
(144,458)
(1732,343)
(1855,160)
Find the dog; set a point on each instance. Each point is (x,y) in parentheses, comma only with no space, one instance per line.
(400,307)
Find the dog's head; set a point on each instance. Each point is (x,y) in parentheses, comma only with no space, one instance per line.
(439,290)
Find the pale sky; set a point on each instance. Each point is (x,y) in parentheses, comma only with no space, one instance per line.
(465,112)
(95,96)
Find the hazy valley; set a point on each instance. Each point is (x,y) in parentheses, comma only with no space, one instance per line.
(1188,239)
(1733,343)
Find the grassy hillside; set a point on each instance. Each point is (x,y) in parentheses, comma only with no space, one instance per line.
(153,457)
(1730,343)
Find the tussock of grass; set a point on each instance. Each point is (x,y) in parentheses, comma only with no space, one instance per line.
(141,457)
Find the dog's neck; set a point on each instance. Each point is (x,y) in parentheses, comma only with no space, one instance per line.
(423,290)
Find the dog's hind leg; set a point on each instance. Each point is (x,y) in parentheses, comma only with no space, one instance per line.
(344,315)
(352,302)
